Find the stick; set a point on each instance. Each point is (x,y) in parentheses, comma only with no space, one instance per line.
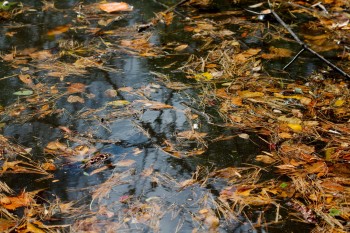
(306,47)
(153,22)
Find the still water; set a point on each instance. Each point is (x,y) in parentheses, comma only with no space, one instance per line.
(135,135)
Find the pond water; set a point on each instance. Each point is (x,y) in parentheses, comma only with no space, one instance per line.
(134,136)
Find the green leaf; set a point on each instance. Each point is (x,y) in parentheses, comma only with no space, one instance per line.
(334,212)
(24,92)
(86,174)
(284,185)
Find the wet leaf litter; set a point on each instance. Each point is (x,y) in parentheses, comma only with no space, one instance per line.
(303,122)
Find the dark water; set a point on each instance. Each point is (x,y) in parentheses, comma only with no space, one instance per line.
(73,183)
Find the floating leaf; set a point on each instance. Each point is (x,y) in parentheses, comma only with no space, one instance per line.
(25,78)
(244,136)
(283,185)
(250,94)
(206,76)
(265,159)
(115,7)
(191,135)
(334,212)
(76,88)
(181,47)
(118,103)
(75,99)
(295,127)
(339,103)
(24,92)
(12,203)
(125,163)
(154,104)
(58,30)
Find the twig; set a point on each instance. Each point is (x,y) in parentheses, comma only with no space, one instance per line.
(294,58)
(306,47)
(154,21)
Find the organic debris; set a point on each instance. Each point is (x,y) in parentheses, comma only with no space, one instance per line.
(304,122)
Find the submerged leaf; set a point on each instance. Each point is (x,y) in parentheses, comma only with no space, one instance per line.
(125,163)
(118,103)
(23,92)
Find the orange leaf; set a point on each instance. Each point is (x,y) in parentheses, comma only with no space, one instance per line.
(115,7)
(58,30)
(76,88)
(25,78)
(12,203)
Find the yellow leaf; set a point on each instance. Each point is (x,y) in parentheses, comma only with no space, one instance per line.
(206,76)
(118,103)
(339,103)
(249,94)
(295,127)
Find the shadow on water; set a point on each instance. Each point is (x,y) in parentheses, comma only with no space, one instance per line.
(73,181)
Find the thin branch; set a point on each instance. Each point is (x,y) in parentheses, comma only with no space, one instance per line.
(306,47)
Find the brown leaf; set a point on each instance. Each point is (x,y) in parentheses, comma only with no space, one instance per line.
(25,78)
(277,53)
(41,55)
(191,135)
(75,99)
(181,47)
(330,185)
(154,105)
(265,159)
(76,88)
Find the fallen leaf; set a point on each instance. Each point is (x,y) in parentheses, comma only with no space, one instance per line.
(295,127)
(111,93)
(118,103)
(23,92)
(191,135)
(75,99)
(48,166)
(250,94)
(115,7)
(58,30)
(125,163)
(12,203)
(25,78)
(41,55)
(339,103)
(265,159)
(244,136)
(76,88)
(154,105)
(181,47)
